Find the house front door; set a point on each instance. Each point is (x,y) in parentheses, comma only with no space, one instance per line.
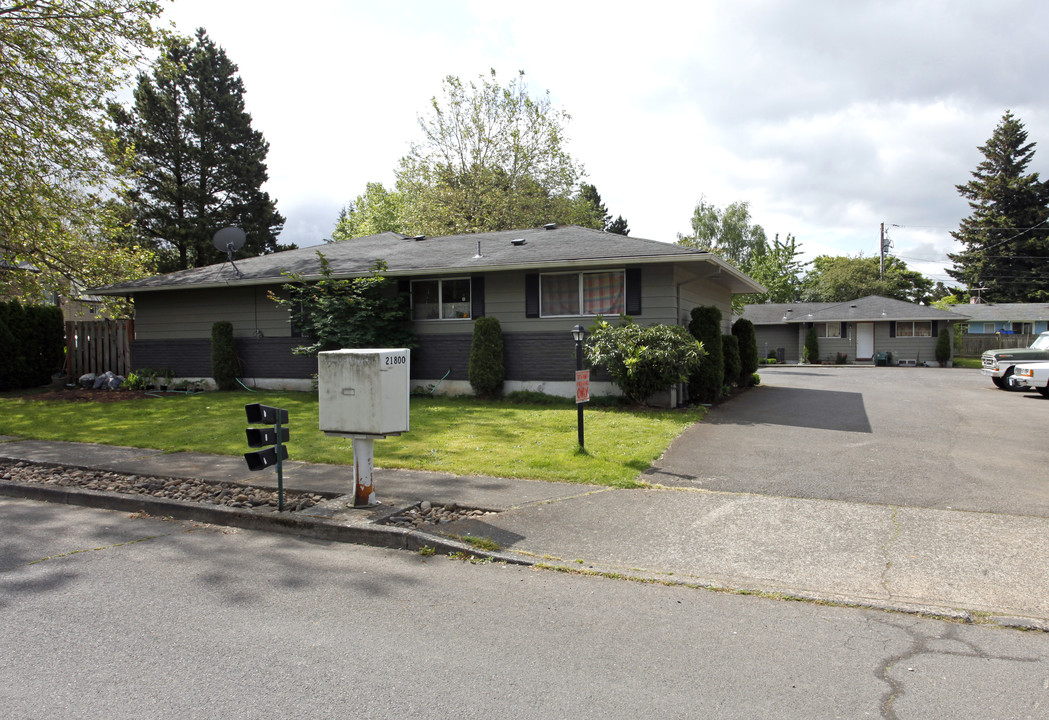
(864,341)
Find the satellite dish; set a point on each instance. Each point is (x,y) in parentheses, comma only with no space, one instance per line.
(229,239)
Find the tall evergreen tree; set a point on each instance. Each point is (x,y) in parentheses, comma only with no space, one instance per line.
(618,226)
(1005,238)
(200,164)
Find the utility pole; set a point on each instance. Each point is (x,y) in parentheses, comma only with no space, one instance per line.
(881,246)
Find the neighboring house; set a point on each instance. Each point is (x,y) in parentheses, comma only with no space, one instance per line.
(539,283)
(859,329)
(1018,318)
(74,303)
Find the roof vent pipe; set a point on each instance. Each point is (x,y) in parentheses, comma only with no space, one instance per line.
(478,250)
(518,242)
(419,237)
(550,226)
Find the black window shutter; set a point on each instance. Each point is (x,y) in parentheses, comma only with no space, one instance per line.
(404,290)
(477,296)
(844,332)
(892,328)
(532,295)
(633,291)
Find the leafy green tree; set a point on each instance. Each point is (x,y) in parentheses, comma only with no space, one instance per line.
(199,164)
(727,233)
(486,369)
(778,268)
(59,64)
(643,360)
(334,313)
(843,278)
(492,158)
(376,210)
(705,383)
(1005,238)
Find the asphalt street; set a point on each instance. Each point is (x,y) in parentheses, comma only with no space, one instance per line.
(111,615)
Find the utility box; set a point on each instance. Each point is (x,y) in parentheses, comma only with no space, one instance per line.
(364,392)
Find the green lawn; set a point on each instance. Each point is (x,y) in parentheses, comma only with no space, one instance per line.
(457,435)
(964,362)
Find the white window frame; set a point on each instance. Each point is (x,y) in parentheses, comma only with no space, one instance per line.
(440,299)
(823,333)
(581,299)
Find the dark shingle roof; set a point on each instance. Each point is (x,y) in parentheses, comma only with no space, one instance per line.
(566,246)
(1004,312)
(866,309)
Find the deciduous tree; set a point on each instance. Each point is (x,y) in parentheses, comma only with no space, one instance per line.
(843,278)
(492,158)
(59,64)
(376,210)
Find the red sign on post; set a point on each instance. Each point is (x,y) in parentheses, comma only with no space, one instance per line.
(582,386)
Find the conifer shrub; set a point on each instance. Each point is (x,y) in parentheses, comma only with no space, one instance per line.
(223,356)
(748,349)
(33,342)
(705,383)
(730,350)
(486,370)
(812,346)
(943,347)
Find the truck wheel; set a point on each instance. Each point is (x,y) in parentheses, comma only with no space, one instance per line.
(1043,391)
(1006,378)
(999,383)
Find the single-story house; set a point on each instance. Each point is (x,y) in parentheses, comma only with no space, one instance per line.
(538,282)
(859,329)
(1018,318)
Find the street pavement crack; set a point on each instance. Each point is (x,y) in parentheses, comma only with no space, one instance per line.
(85,550)
(921,646)
(896,529)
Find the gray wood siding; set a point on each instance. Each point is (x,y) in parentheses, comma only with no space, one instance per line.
(191,313)
(772,337)
(921,349)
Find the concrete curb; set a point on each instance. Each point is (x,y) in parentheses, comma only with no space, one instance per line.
(382,536)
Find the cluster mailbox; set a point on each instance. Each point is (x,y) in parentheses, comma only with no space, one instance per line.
(363,394)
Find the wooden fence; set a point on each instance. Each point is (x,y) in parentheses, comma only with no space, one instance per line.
(976,345)
(99,345)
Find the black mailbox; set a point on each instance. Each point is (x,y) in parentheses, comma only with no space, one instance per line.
(262,459)
(265,414)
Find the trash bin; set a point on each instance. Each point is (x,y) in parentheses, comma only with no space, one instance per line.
(881,359)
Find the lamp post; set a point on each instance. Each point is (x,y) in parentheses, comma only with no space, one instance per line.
(582,379)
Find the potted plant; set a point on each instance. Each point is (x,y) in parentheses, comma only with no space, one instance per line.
(166,375)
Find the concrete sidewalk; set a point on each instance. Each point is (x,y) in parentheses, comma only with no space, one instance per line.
(968,565)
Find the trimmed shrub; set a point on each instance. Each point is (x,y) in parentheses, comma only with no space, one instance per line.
(643,360)
(223,356)
(748,348)
(730,350)
(943,347)
(704,384)
(812,346)
(486,370)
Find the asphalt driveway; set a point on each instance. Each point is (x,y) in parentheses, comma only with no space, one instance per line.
(918,437)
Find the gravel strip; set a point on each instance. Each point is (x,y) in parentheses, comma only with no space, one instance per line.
(225,493)
(426,513)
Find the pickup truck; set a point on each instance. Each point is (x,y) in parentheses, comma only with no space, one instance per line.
(1032,376)
(998,364)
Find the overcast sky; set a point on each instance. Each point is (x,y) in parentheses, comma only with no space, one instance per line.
(829,117)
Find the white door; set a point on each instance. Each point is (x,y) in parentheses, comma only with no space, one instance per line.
(864,341)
